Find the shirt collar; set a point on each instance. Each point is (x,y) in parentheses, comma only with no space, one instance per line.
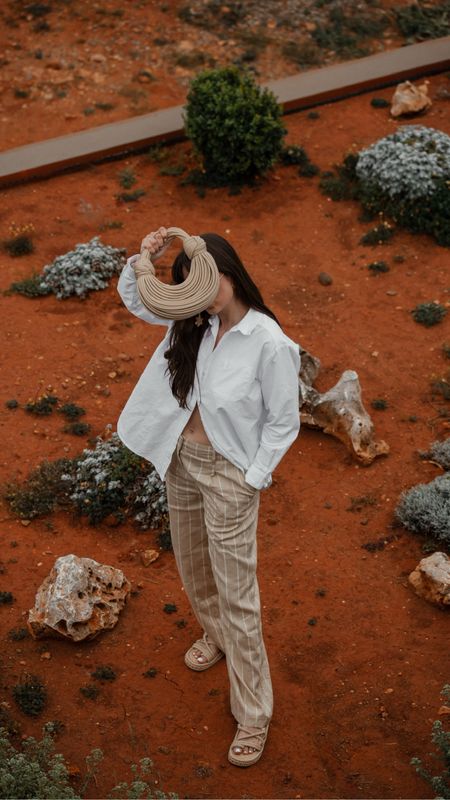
(245,325)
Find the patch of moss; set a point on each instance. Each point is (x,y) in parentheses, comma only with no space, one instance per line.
(379,102)
(43,405)
(379,404)
(379,235)
(429,313)
(378,266)
(130,197)
(30,695)
(20,245)
(104,673)
(170,608)
(29,287)
(90,691)
(77,428)
(71,411)
(41,492)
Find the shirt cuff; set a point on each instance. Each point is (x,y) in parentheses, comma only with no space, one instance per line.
(258,478)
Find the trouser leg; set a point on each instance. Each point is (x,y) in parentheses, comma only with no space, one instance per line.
(190,546)
(231,516)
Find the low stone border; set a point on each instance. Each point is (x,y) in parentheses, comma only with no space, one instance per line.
(304,90)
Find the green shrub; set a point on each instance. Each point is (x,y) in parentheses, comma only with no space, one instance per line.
(429,313)
(295,155)
(235,125)
(441,738)
(127,178)
(44,489)
(31,695)
(6,597)
(29,287)
(419,22)
(12,404)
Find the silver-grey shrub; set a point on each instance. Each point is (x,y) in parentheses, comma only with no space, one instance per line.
(406,163)
(85,269)
(426,508)
(440,453)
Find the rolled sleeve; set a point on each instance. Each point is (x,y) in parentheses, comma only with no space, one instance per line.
(127,289)
(280,391)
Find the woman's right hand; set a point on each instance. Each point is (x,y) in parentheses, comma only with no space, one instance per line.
(156,243)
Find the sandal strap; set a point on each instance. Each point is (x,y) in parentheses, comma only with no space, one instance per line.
(246,736)
(208,649)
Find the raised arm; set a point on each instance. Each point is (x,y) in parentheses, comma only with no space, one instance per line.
(127,289)
(156,244)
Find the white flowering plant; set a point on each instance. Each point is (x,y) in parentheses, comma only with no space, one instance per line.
(404,176)
(85,269)
(111,479)
(108,480)
(407,163)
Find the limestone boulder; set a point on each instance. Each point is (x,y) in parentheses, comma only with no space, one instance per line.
(431,579)
(78,599)
(410,99)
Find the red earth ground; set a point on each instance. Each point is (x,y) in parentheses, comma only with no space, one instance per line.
(357,692)
(84,64)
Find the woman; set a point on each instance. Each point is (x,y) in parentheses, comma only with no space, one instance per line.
(214,411)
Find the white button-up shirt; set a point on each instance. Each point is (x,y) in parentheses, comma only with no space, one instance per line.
(246,389)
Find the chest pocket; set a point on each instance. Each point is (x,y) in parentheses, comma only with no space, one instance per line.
(234,381)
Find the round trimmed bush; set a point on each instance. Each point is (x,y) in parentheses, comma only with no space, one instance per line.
(234,125)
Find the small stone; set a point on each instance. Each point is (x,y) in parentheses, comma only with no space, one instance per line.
(25,522)
(148,556)
(327,505)
(391,292)
(46,655)
(112,374)
(325,279)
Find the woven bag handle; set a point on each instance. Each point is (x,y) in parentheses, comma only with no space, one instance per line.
(185,299)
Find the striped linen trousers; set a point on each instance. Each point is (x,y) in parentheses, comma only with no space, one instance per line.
(213,516)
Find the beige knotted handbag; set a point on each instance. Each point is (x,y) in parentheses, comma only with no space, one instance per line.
(185,299)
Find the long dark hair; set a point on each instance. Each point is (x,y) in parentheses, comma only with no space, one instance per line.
(185,336)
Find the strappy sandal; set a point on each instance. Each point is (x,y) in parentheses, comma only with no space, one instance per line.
(208,649)
(252,737)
